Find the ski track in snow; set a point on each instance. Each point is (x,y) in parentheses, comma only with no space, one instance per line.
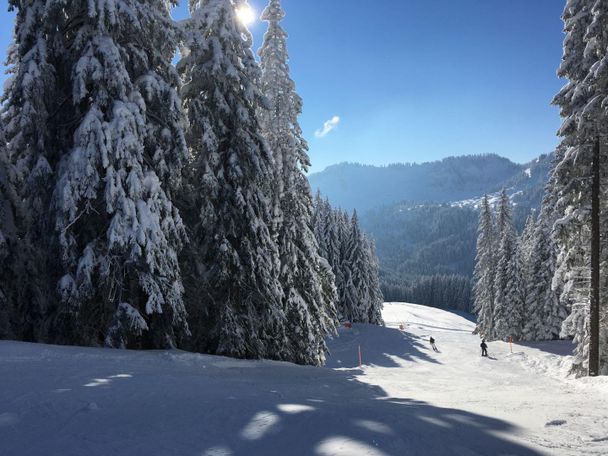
(405,400)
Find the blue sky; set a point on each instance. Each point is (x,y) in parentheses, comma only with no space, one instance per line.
(418,80)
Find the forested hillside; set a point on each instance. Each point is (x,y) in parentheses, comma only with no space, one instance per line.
(426,241)
(363,187)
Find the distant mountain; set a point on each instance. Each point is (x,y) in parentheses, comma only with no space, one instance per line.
(452,180)
(424,217)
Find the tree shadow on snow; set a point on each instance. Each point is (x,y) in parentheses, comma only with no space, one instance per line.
(341,416)
(384,347)
(471,317)
(175,403)
(554,347)
(427,327)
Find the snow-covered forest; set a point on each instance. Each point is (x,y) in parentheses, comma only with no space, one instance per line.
(423,217)
(179,275)
(545,284)
(351,254)
(150,205)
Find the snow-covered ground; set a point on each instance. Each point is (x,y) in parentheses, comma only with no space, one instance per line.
(405,400)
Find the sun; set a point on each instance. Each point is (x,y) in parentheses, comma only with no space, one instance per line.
(246,14)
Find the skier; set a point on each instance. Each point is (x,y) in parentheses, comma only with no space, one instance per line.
(432,341)
(484,348)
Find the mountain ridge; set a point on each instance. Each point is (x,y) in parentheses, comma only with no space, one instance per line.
(452,179)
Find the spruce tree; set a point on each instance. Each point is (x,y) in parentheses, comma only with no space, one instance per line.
(336,230)
(320,220)
(237,298)
(353,264)
(325,235)
(310,311)
(328,230)
(361,298)
(584,122)
(373,291)
(8,242)
(554,311)
(117,228)
(596,51)
(34,101)
(531,262)
(351,256)
(508,308)
(545,311)
(485,272)
(341,266)
(524,259)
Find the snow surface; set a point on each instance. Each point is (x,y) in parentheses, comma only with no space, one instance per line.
(493,199)
(405,400)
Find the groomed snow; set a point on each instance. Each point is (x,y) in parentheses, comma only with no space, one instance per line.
(405,400)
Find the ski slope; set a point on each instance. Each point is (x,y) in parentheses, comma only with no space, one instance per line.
(404,400)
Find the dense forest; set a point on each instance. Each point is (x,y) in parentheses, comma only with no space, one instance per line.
(152,205)
(551,281)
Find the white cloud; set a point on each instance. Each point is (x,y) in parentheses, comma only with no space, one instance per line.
(328,127)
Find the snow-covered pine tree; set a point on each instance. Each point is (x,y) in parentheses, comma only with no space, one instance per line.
(524,259)
(311,314)
(551,310)
(28,105)
(362,298)
(508,307)
(373,291)
(504,215)
(336,231)
(352,258)
(596,51)
(530,263)
(584,116)
(326,234)
(227,205)
(355,300)
(8,241)
(279,119)
(550,210)
(526,239)
(545,312)
(118,230)
(341,233)
(485,272)
(320,220)
(555,310)
(573,253)
(34,103)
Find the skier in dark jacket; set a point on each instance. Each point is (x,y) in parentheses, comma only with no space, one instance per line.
(432,341)
(484,348)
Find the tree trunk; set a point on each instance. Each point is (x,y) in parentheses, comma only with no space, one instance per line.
(594,343)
